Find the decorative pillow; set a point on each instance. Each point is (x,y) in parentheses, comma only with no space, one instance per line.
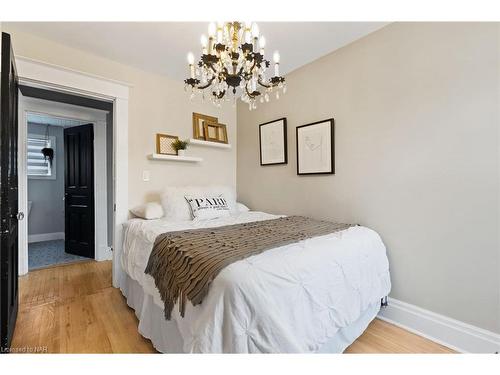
(228,192)
(176,207)
(148,211)
(208,207)
(241,207)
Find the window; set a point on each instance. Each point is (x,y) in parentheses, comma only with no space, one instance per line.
(38,167)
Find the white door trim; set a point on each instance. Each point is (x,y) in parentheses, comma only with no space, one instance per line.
(48,76)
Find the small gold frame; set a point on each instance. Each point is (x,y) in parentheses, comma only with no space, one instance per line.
(164,144)
(215,132)
(198,127)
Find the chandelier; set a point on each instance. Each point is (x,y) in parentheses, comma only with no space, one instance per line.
(232,65)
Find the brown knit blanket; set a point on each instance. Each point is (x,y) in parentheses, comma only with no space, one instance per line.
(184,263)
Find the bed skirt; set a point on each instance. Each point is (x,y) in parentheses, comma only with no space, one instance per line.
(166,337)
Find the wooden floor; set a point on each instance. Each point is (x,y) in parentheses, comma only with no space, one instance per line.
(74,309)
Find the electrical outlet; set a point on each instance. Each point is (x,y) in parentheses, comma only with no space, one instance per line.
(145,176)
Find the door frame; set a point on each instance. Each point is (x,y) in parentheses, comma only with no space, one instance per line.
(29,105)
(53,77)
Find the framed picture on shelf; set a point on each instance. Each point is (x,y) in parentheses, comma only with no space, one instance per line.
(316,148)
(215,132)
(198,125)
(273,142)
(164,144)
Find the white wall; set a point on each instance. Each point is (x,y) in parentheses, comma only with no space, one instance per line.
(416,108)
(46,194)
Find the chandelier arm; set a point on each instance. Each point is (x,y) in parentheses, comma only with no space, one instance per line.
(263,84)
(210,65)
(207,84)
(220,95)
(253,66)
(250,95)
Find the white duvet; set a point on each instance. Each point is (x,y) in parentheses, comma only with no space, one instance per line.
(288,299)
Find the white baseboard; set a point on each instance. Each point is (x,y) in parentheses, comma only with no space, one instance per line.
(457,335)
(103,253)
(45,237)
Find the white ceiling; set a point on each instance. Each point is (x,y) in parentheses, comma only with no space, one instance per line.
(161,47)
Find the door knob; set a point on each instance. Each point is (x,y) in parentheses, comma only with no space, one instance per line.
(20,216)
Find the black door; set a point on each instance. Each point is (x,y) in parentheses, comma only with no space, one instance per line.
(79,190)
(8,196)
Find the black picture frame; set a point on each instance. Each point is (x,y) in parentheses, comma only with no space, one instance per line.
(285,141)
(332,147)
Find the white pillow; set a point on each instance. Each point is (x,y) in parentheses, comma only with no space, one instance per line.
(176,207)
(148,211)
(174,204)
(208,207)
(241,207)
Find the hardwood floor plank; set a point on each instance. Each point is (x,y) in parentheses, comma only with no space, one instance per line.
(74,309)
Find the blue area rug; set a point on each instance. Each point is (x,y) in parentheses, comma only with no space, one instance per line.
(49,253)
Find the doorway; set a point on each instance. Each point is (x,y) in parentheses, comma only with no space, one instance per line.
(60,220)
(68,199)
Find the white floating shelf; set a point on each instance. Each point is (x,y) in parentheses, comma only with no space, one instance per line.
(191,159)
(200,142)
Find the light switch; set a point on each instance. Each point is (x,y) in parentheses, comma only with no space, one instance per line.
(145,176)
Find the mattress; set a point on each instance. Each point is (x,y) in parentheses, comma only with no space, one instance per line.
(297,298)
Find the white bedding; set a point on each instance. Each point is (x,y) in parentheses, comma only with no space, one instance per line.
(289,299)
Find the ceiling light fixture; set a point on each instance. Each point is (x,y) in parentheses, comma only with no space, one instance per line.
(233,65)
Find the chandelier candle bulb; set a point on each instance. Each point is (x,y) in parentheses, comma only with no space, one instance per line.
(262,44)
(255,35)
(210,45)
(211,29)
(211,33)
(255,30)
(204,42)
(248,36)
(276,58)
(219,35)
(190,58)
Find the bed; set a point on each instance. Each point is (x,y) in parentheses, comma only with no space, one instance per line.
(314,296)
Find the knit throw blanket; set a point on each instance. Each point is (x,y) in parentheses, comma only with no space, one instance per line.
(184,263)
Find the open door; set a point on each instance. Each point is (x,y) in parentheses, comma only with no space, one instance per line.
(9,214)
(79,190)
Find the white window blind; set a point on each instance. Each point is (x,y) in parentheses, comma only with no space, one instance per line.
(37,165)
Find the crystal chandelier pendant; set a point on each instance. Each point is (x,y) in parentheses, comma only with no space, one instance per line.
(233,62)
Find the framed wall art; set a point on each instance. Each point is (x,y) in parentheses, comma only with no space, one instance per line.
(316,148)
(164,144)
(273,142)
(198,124)
(215,132)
